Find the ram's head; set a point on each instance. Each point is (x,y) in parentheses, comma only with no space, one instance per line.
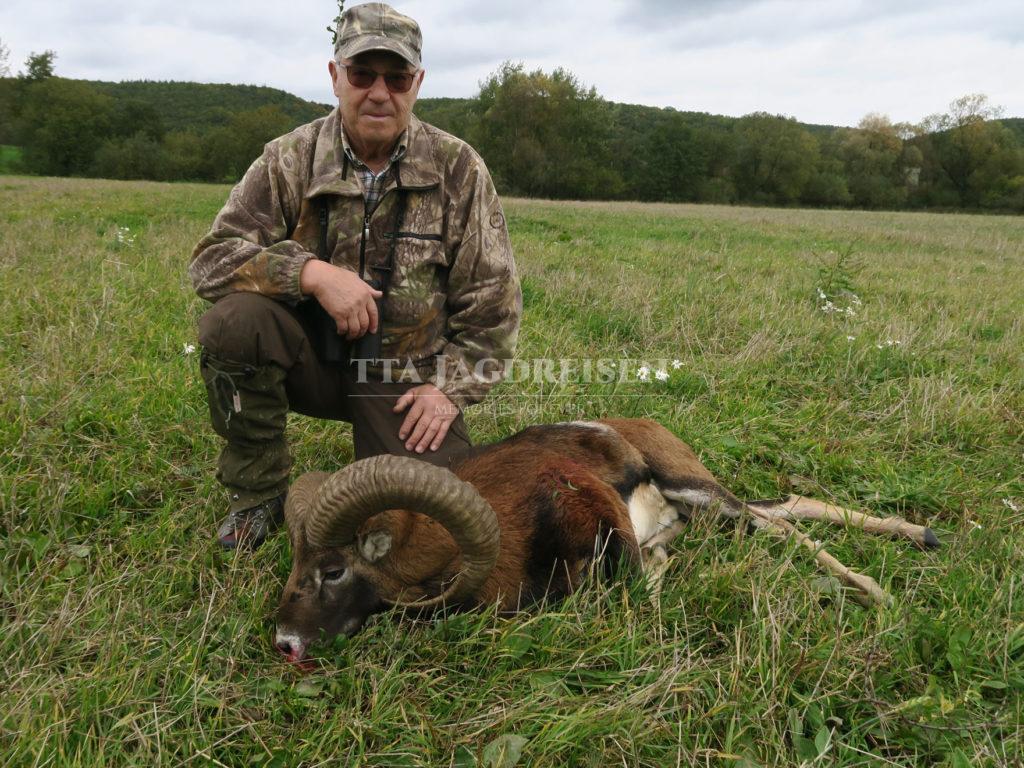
(349,536)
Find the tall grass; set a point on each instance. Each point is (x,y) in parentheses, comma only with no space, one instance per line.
(128,638)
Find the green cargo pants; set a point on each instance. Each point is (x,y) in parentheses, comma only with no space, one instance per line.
(258,363)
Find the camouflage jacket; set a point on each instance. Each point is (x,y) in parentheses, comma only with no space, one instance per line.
(454,297)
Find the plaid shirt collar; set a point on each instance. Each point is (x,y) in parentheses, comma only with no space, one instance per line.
(374,183)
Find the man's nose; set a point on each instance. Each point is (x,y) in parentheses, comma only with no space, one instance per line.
(379,91)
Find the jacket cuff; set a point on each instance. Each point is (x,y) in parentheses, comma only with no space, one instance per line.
(292,291)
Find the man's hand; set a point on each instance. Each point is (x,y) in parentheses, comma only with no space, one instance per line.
(344,295)
(430,415)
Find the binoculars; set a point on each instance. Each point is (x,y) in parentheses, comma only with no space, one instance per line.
(333,348)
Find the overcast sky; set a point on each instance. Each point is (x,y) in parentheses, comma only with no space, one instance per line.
(831,61)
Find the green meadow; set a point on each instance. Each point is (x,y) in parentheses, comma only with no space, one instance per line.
(872,359)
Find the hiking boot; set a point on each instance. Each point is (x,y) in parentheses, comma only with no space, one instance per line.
(249,527)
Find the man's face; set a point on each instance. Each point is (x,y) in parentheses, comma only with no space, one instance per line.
(374,116)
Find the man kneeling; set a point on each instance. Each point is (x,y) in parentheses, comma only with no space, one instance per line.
(365,223)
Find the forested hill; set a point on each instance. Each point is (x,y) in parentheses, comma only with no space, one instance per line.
(543,135)
(200,106)
(1016,126)
(447,113)
(186,106)
(197,107)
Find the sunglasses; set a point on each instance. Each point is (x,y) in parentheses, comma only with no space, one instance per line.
(364,78)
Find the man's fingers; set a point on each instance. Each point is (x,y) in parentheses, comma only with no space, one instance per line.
(427,423)
(442,432)
(342,326)
(428,434)
(403,402)
(434,435)
(364,321)
(353,326)
(411,419)
(371,310)
(422,424)
(407,426)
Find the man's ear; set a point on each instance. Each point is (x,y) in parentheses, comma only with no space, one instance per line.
(334,71)
(374,545)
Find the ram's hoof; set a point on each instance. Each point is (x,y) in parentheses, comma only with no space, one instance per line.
(931,541)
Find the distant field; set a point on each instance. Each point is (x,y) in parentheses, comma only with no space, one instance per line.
(127,637)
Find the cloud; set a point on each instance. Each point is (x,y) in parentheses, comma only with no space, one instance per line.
(710,23)
(829,62)
(655,13)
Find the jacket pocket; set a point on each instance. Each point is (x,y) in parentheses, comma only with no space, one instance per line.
(418,284)
(419,254)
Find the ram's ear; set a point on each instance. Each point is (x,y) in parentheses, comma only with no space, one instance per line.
(374,545)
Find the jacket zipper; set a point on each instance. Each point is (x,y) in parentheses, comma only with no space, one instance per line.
(414,236)
(366,223)
(362,242)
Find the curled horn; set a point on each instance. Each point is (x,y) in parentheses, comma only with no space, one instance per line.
(300,499)
(349,497)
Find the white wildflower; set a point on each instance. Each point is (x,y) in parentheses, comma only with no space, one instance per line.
(976,524)
(830,307)
(851,338)
(189,349)
(661,375)
(643,373)
(124,236)
(677,364)
(1009,503)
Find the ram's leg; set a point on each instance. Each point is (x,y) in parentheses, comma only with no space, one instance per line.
(869,591)
(803,508)
(664,536)
(724,503)
(655,565)
(655,557)
(687,483)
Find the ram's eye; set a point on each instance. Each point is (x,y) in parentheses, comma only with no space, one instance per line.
(333,574)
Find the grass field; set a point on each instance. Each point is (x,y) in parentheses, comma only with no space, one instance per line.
(128,638)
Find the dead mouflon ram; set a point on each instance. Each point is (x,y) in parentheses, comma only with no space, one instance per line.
(510,523)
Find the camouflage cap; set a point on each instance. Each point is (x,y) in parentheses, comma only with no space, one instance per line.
(377,27)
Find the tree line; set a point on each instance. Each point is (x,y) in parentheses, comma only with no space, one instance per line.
(547,135)
(543,134)
(140,130)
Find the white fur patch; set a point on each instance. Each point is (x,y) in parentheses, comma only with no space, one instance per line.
(587,425)
(698,499)
(375,545)
(649,513)
(691,496)
(294,641)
